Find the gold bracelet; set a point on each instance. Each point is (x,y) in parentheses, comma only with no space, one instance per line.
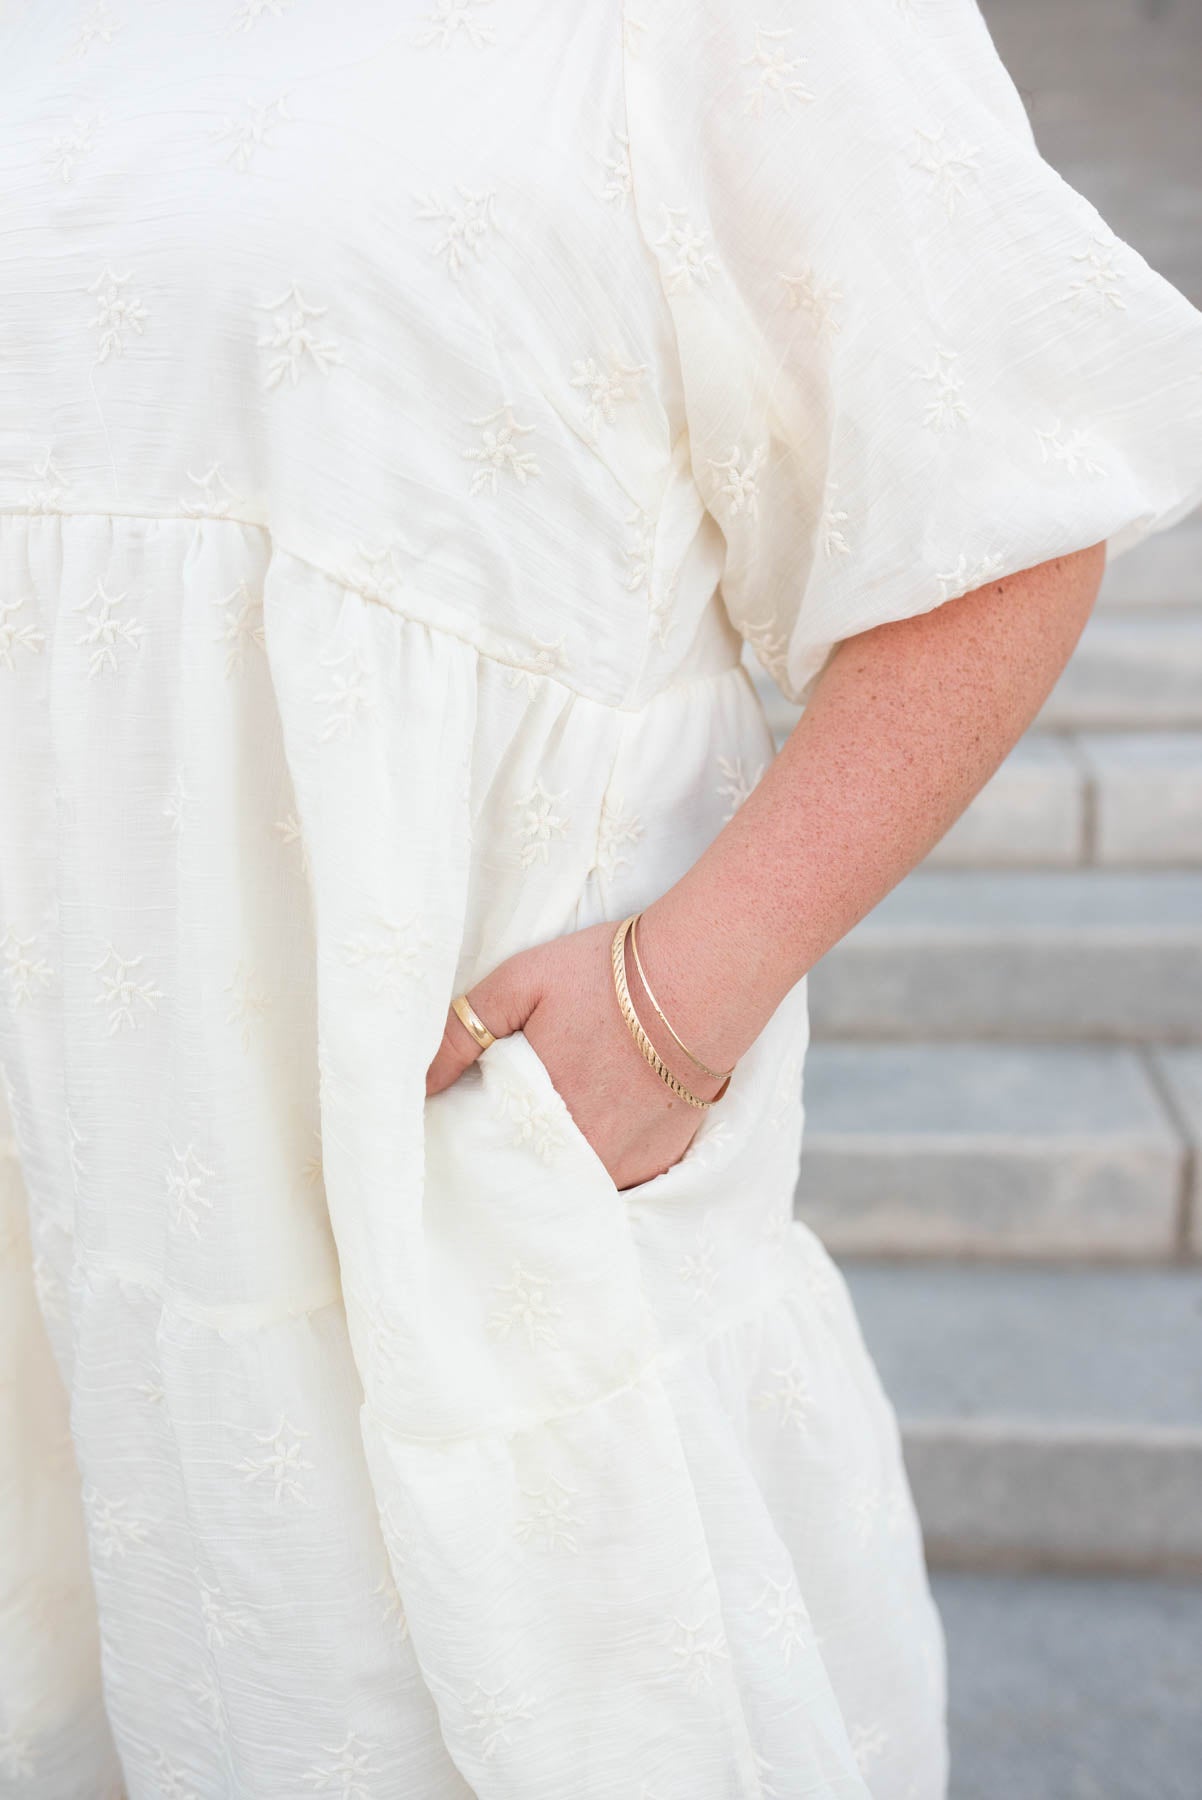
(717,1074)
(618,959)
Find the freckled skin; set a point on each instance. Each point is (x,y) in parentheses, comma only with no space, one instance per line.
(906,724)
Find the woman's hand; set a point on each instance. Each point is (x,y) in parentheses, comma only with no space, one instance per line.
(561,995)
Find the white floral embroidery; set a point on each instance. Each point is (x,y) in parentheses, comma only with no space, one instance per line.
(947,407)
(170,1783)
(948,167)
(492,1715)
(75,1144)
(184,1188)
(106,633)
(786,1616)
(117,313)
(280,1464)
(868,1744)
(617,828)
(16,1757)
(697,1270)
(293,340)
(380,571)
(249,1002)
(736,783)
(640,551)
(243,138)
(528,1308)
(830,524)
(969,573)
(349,697)
(393,951)
(114,1529)
(175,808)
(769,643)
(153,1392)
(551,1521)
(804,292)
(530,671)
(313,1167)
(763,1769)
(539,824)
(251,11)
(126,998)
(223,1622)
(605,388)
(215,499)
(790,1398)
(241,627)
(69,148)
(96,27)
(392,1610)
(455,20)
(688,252)
(465,227)
(349,1774)
(1099,280)
(631,27)
(531,1123)
(46,488)
(289,832)
(618,186)
(660,612)
(209,1698)
(775,74)
(48,1288)
(821,1280)
(741,479)
(697,1649)
(1072,449)
(25,972)
(498,453)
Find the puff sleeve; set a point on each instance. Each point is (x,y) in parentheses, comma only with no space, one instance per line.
(913,357)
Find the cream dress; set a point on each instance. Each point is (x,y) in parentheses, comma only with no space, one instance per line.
(408,408)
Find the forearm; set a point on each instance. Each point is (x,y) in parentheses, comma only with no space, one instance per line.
(906,725)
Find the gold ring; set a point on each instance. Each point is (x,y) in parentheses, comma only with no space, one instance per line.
(475,1024)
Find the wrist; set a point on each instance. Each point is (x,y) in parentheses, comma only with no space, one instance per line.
(698,973)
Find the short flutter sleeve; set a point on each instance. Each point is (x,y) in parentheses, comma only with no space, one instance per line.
(914,358)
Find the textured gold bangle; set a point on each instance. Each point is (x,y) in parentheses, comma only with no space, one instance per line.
(618,958)
(717,1074)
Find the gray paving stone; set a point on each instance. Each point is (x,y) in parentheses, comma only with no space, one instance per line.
(972,1149)
(1137,669)
(1068,1688)
(1074,954)
(1180,1069)
(1051,1417)
(1146,795)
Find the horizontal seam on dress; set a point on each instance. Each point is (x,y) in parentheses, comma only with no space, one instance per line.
(353,587)
(666,1358)
(240,1318)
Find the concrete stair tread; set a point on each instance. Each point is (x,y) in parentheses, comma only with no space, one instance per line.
(1056,900)
(1049,1418)
(1071,1347)
(969,1149)
(1072,1687)
(1010,1093)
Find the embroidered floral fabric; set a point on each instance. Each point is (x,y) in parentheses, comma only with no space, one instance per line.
(406,413)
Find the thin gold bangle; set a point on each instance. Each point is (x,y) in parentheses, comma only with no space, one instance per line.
(618,959)
(716,1074)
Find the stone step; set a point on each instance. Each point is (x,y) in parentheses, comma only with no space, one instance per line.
(1165,570)
(1065,954)
(1052,1418)
(1032,1151)
(1072,1687)
(1143,792)
(1137,668)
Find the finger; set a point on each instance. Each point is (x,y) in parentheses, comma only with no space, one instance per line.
(501,1003)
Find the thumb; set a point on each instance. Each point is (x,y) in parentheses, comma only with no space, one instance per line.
(503,1000)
